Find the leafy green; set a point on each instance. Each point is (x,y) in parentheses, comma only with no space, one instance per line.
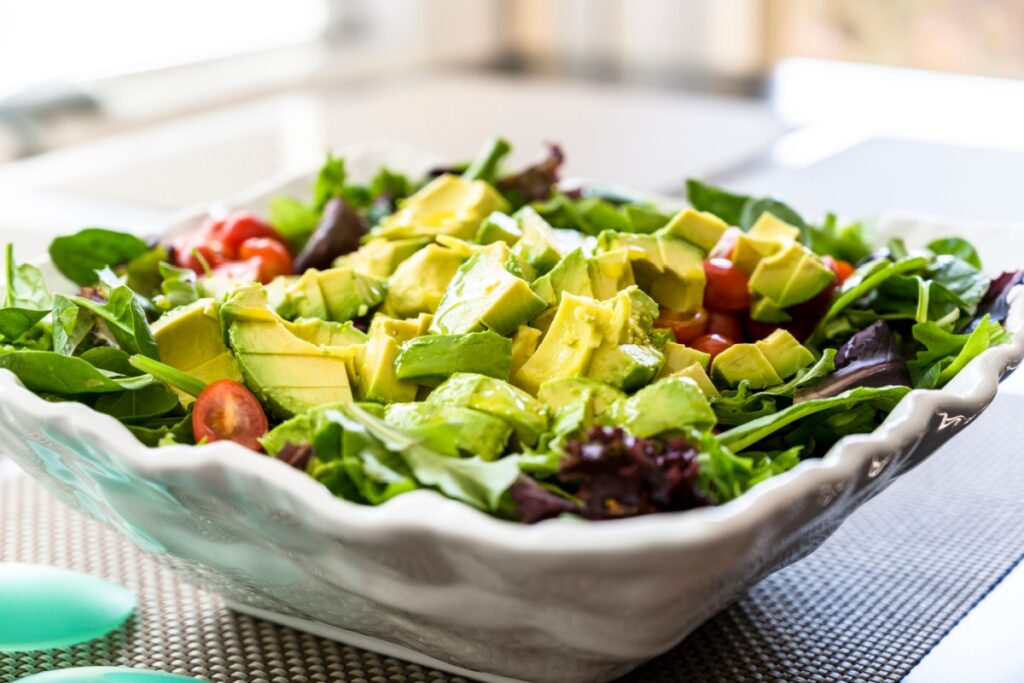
(592,215)
(958,247)
(754,207)
(485,166)
(330,182)
(725,205)
(123,316)
(178,287)
(745,435)
(15,322)
(164,430)
(71,324)
(54,373)
(294,219)
(944,354)
(168,375)
(848,242)
(724,475)
(78,257)
(741,404)
(148,402)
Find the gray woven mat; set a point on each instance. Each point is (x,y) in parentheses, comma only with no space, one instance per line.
(864,608)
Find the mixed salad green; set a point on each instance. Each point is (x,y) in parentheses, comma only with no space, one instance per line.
(526,347)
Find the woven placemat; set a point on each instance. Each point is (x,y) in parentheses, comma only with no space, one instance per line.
(864,608)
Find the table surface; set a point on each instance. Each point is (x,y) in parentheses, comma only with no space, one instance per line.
(644,139)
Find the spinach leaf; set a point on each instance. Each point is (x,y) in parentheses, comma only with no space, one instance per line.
(178,287)
(960,278)
(113,361)
(78,257)
(54,373)
(15,322)
(71,324)
(745,435)
(959,247)
(725,205)
(143,273)
(163,430)
(24,286)
(132,406)
(123,316)
(755,206)
(181,381)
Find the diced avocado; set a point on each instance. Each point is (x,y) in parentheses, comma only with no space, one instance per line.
(326,332)
(524,345)
(433,358)
(484,294)
(661,336)
(625,366)
(785,353)
(763,309)
(634,313)
(643,250)
(448,205)
(541,245)
(679,356)
(448,428)
(379,257)
(337,294)
(288,374)
(527,415)
(569,275)
(498,227)
(770,227)
(610,272)
(749,251)
(681,287)
(418,284)
(377,381)
(791,276)
(565,351)
(190,340)
(696,227)
(744,362)
(561,392)
(699,375)
(670,404)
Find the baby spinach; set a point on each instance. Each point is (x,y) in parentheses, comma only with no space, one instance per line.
(78,257)
(163,430)
(54,373)
(71,324)
(178,287)
(24,286)
(142,404)
(15,322)
(123,316)
(959,247)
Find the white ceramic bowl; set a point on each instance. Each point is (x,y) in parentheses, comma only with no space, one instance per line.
(435,581)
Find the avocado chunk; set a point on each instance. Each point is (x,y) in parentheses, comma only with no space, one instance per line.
(744,362)
(610,272)
(380,257)
(699,228)
(749,251)
(483,294)
(190,340)
(498,227)
(288,374)
(785,353)
(326,333)
(625,359)
(527,415)
(454,430)
(337,294)
(541,245)
(697,373)
(680,356)
(447,205)
(378,381)
(670,404)
(791,276)
(524,345)
(569,275)
(565,351)
(433,358)
(681,287)
(765,310)
(559,393)
(768,226)
(420,281)
(643,250)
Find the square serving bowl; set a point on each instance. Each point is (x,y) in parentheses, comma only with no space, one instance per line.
(434,581)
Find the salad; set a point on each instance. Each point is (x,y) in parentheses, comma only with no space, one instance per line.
(526,346)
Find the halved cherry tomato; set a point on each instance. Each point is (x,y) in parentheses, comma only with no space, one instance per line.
(240,271)
(713,344)
(274,257)
(841,268)
(191,252)
(726,325)
(227,411)
(241,226)
(685,326)
(726,288)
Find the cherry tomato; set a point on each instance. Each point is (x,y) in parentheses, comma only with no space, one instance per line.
(726,244)
(227,411)
(713,344)
(841,268)
(758,330)
(242,226)
(190,252)
(240,271)
(685,326)
(274,257)
(726,288)
(726,325)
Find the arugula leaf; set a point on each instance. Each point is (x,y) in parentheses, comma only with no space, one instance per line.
(959,247)
(70,325)
(148,402)
(945,354)
(54,373)
(883,399)
(123,316)
(78,257)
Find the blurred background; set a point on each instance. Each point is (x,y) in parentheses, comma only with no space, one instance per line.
(120,112)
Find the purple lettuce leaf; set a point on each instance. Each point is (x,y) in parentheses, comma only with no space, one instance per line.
(869,358)
(996,302)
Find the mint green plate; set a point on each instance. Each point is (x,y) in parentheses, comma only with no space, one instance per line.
(46,607)
(105,674)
